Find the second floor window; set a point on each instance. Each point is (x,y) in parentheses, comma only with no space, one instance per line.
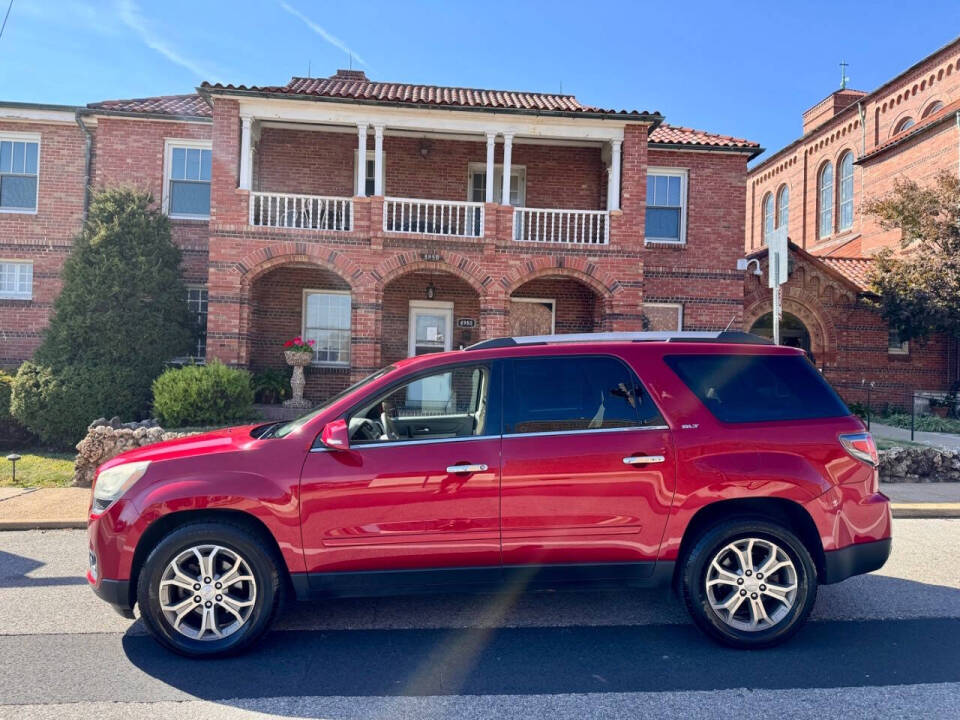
(846,192)
(825,200)
(18,174)
(666,217)
(188,182)
(783,207)
(767,216)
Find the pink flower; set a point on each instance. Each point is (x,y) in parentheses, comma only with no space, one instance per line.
(311,343)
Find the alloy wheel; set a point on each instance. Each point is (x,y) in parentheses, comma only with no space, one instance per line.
(751,584)
(207,592)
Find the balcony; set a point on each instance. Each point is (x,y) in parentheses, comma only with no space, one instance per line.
(433,217)
(304,212)
(578,227)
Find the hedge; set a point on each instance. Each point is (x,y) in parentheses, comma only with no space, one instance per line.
(202,395)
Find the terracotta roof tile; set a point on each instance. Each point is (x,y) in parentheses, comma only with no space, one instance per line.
(856,270)
(674,135)
(185,105)
(354,85)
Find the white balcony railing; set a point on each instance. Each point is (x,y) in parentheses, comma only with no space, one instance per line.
(580,227)
(307,212)
(432,217)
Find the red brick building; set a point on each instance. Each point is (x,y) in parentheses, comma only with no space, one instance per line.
(854,146)
(382,219)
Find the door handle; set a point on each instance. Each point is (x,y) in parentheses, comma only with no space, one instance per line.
(643,459)
(467,468)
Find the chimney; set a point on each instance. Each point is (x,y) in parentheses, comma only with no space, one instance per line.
(829,107)
(350,76)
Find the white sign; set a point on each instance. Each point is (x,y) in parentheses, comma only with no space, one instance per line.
(777,249)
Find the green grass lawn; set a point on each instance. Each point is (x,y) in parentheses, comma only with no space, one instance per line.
(884,444)
(39,468)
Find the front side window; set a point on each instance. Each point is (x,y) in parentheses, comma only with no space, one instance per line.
(846,191)
(896,346)
(188,185)
(666,205)
(783,207)
(758,388)
(451,403)
(197,302)
(326,321)
(767,216)
(825,195)
(574,394)
(16,280)
(19,161)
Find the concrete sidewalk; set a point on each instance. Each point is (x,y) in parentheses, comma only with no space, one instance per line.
(52,508)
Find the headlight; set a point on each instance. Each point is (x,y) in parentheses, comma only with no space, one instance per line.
(114,482)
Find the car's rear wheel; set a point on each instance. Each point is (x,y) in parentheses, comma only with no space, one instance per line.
(749,583)
(209,589)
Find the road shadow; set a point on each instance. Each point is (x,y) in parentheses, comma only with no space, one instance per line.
(578,659)
(14,570)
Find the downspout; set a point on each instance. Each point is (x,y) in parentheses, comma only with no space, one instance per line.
(88,159)
(958,142)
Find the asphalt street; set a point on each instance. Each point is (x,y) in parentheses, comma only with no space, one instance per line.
(887,644)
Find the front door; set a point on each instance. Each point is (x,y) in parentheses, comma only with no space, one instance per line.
(588,464)
(419,486)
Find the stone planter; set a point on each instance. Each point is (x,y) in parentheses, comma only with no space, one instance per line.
(298,361)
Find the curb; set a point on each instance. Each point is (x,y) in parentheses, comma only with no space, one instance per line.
(912,511)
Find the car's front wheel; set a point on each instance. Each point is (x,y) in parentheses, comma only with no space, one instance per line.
(209,589)
(749,583)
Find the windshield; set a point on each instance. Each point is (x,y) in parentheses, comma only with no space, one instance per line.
(293,425)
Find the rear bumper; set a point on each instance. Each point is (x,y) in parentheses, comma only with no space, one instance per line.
(854,560)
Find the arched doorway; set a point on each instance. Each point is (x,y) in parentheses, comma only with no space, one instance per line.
(793,333)
(554,304)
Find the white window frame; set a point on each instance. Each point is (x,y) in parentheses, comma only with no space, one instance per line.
(18,295)
(673,306)
(518,174)
(684,175)
(371,157)
(303,324)
(196,286)
(25,137)
(902,349)
(168,145)
(542,301)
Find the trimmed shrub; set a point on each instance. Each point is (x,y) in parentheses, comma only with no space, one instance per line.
(12,433)
(58,407)
(6,387)
(210,394)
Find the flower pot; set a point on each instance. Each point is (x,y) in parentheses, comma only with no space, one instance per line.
(298,359)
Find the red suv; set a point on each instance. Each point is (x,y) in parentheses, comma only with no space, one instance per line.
(713,461)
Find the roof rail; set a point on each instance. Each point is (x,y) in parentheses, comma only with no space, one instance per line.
(724,336)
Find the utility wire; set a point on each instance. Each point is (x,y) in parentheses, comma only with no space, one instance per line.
(5,18)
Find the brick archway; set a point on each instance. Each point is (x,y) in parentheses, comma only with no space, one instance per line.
(447,262)
(823,343)
(265,259)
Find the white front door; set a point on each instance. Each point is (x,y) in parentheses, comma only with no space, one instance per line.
(431,331)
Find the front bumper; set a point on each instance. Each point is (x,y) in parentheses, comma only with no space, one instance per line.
(855,559)
(114,592)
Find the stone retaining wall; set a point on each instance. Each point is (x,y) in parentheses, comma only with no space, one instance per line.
(919,464)
(108,438)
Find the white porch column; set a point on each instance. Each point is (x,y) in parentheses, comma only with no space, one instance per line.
(361,160)
(613,183)
(246,156)
(378,159)
(491,145)
(507,156)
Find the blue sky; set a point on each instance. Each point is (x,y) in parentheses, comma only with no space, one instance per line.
(742,68)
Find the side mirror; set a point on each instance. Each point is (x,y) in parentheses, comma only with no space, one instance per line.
(336,435)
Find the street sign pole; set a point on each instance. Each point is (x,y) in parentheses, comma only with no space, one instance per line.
(777,275)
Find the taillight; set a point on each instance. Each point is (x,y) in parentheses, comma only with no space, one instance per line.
(861,446)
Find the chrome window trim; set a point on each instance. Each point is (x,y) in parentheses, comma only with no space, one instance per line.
(396,443)
(586,432)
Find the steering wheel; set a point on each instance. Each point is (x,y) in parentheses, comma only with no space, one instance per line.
(389,427)
(369,430)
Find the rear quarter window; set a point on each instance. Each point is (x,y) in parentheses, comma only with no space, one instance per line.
(758,388)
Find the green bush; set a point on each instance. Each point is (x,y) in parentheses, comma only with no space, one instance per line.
(6,388)
(58,406)
(924,423)
(202,395)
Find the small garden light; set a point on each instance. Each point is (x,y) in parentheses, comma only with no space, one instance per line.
(13,457)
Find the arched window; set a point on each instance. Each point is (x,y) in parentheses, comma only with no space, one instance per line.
(907,122)
(846,191)
(783,206)
(767,216)
(935,106)
(825,196)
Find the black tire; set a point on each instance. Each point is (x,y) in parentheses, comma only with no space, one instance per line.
(264,567)
(696,564)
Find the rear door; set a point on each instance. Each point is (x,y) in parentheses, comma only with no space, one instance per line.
(587,465)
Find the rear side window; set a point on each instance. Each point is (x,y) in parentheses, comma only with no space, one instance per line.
(758,388)
(564,394)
